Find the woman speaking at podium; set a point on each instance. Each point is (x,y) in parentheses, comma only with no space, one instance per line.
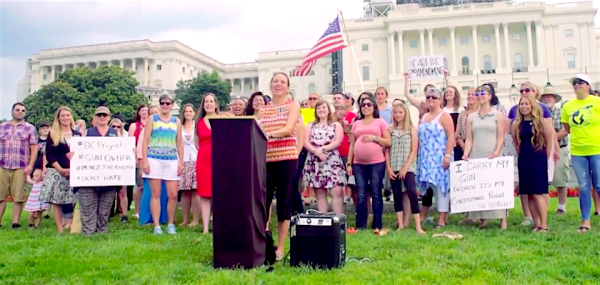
(279,119)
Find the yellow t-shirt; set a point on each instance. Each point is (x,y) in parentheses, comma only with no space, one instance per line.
(583,117)
(308,115)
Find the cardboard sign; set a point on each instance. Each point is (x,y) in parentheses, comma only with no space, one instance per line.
(426,67)
(482,184)
(102,161)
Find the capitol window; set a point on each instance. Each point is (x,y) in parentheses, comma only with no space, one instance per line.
(183,70)
(312,72)
(443,42)
(516,37)
(569,33)
(413,44)
(487,62)
(312,88)
(158,67)
(464,40)
(365,47)
(518,60)
(485,39)
(571,60)
(365,73)
(445,63)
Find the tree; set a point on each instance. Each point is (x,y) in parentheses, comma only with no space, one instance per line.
(83,90)
(191,91)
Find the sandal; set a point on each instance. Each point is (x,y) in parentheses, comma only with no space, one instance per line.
(542,230)
(351,231)
(450,235)
(438,227)
(583,229)
(536,229)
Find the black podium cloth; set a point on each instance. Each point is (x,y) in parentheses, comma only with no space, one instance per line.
(239,208)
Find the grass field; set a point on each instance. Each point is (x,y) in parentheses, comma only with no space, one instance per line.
(131,254)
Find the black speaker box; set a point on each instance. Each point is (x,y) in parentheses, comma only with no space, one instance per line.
(318,240)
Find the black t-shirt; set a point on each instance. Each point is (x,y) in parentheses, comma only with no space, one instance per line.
(41,152)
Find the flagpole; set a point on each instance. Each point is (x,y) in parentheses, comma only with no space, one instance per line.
(362,87)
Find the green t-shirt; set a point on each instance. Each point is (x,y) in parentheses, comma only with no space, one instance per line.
(583,118)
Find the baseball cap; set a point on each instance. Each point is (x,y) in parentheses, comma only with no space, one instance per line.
(582,77)
(102,110)
(44,124)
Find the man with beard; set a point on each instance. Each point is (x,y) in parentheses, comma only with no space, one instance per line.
(18,152)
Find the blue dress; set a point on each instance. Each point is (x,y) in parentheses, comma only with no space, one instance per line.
(145,214)
(432,147)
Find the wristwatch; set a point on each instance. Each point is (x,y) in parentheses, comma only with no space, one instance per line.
(447,155)
(377,139)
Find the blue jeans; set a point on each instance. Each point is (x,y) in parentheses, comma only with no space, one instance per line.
(363,174)
(584,167)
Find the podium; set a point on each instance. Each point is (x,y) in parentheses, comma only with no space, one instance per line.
(239,147)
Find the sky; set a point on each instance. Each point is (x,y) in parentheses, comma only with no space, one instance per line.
(229,31)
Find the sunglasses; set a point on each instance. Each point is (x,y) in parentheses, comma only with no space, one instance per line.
(116,127)
(20,110)
(313,99)
(579,82)
(102,115)
(431,97)
(525,90)
(366,105)
(165,103)
(482,93)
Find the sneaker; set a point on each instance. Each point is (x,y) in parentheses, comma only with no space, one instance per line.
(124,219)
(560,212)
(47,217)
(136,216)
(171,229)
(158,231)
(31,225)
(527,222)
(16,226)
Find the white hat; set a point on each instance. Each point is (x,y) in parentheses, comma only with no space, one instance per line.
(549,90)
(582,77)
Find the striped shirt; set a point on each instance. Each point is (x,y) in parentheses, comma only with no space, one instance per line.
(163,140)
(272,119)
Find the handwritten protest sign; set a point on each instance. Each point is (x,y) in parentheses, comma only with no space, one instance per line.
(482,184)
(102,161)
(508,149)
(425,67)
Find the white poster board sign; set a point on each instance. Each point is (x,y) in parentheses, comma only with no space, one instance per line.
(426,67)
(508,149)
(482,184)
(102,161)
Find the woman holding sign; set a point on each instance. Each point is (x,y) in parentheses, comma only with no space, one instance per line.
(163,160)
(95,203)
(533,143)
(485,137)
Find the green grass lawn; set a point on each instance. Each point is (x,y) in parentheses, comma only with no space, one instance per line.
(131,254)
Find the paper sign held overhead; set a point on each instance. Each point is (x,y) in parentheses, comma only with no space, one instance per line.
(426,67)
(102,161)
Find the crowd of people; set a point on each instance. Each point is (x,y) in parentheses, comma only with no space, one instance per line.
(356,150)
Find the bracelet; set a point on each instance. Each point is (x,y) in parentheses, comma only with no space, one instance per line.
(447,155)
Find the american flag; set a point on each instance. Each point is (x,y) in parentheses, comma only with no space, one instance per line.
(331,41)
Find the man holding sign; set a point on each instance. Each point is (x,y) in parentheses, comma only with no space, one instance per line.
(101,164)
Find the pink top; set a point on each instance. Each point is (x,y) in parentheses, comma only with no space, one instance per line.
(140,144)
(368,152)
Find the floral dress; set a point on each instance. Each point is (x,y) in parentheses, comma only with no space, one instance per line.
(323,174)
(432,146)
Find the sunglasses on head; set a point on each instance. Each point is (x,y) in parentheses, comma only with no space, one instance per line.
(165,103)
(525,90)
(480,93)
(366,104)
(579,82)
(102,115)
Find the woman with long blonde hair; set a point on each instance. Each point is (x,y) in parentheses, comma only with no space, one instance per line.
(533,143)
(55,189)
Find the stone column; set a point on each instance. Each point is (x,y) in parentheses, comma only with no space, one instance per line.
(498,47)
(122,63)
(242,86)
(593,46)
(134,65)
(63,68)
(392,52)
(422,42)
(475,40)
(557,55)
(430,38)
(145,72)
(97,64)
(41,76)
(400,51)
(86,64)
(529,45)
(541,47)
(507,63)
(52,72)
(585,38)
(453,44)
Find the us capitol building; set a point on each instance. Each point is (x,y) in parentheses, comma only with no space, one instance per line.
(502,42)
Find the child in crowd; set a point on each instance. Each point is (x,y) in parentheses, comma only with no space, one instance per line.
(33,205)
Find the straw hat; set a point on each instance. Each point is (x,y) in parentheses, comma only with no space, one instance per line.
(549,90)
